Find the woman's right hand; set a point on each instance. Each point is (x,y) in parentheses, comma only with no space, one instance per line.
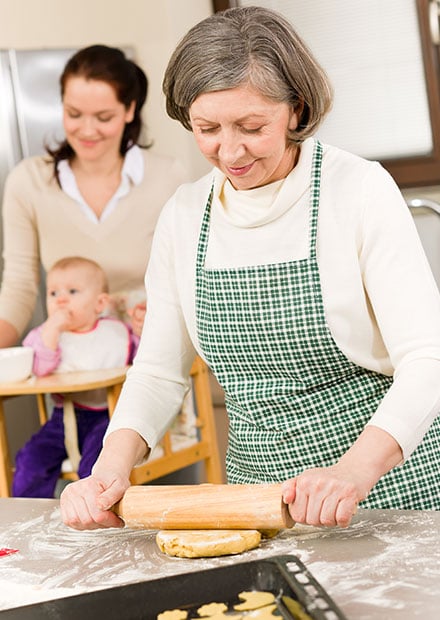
(86,504)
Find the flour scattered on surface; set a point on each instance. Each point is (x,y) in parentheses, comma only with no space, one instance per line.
(371,551)
(376,566)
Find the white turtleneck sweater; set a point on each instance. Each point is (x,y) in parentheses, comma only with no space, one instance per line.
(381,302)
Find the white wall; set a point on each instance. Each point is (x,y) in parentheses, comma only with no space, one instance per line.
(151,27)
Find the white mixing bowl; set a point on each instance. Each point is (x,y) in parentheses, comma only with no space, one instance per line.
(15,363)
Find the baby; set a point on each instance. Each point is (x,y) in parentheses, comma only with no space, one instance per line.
(75,336)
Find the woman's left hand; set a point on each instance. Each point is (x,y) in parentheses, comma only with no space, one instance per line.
(324,496)
(330,495)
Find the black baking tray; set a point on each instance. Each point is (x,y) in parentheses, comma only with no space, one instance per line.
(283,575)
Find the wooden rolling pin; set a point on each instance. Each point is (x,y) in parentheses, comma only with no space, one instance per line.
(204,507)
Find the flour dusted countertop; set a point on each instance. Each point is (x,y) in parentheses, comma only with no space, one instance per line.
(386,565)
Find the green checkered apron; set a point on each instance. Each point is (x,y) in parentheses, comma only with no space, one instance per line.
(293,399)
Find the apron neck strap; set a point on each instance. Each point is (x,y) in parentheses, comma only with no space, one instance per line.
(315,189)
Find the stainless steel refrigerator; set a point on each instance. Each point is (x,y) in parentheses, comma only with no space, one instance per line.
(30,116)
(30,104)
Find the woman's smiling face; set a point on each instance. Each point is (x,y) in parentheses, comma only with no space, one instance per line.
(244,134)
(94,119)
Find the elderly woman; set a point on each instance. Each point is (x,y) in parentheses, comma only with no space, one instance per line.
(295,270)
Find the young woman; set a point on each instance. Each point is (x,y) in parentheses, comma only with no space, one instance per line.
(98,195)
(295,270)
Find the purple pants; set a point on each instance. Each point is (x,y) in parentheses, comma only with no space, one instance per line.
(38,463)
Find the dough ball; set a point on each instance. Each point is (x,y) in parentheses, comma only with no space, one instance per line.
(206,543)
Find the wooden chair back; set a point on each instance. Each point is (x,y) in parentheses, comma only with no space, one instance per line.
(203,449)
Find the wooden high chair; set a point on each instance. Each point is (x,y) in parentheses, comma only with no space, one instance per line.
(173,454)
(67,384)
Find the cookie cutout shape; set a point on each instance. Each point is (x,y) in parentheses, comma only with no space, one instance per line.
(212,609)
(254,600)
(206,543)
(173,614)
(296,610)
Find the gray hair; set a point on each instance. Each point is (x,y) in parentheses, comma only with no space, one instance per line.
(254,46)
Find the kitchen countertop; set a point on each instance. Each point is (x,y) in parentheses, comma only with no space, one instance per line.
(386,565)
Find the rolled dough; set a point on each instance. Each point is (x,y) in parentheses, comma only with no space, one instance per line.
(206,543)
